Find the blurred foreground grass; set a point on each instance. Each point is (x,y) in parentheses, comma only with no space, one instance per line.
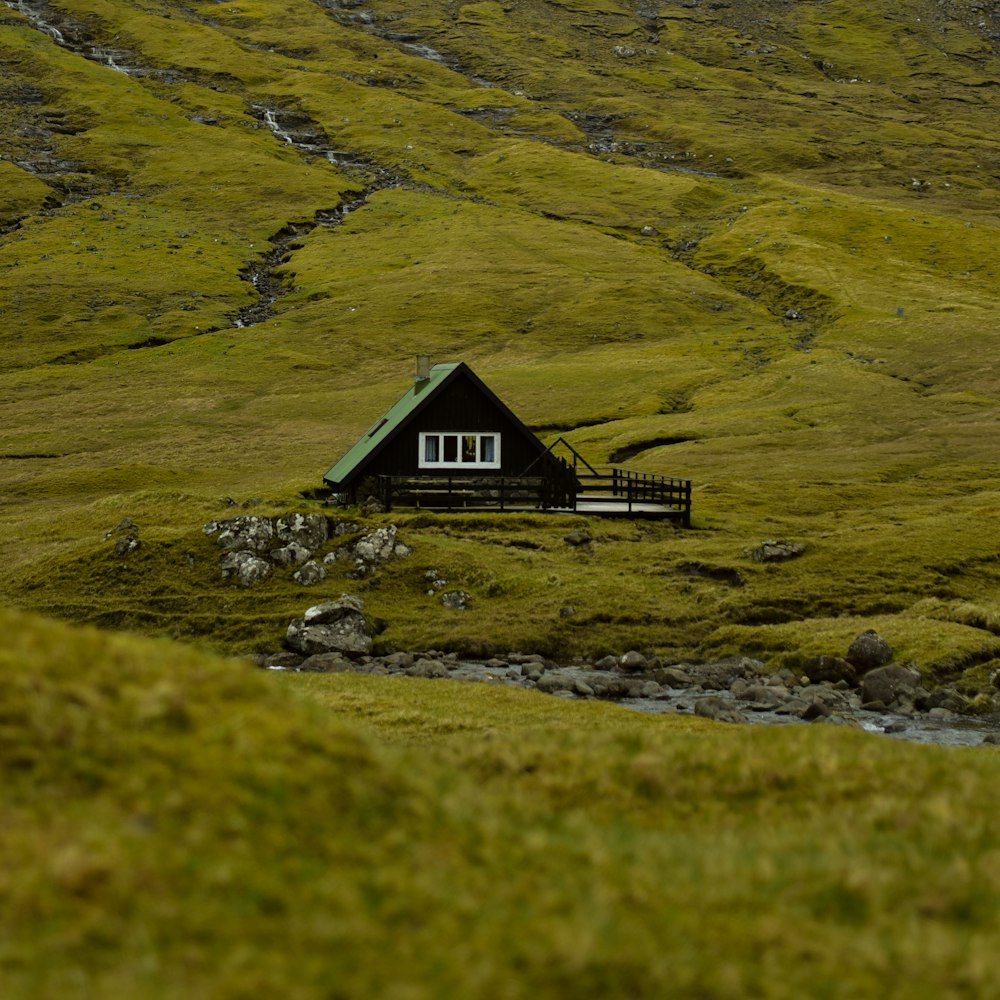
(173,825)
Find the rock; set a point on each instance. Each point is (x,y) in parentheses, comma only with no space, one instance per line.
(346,528)
(774,550)
(309,531)
(292,554)
(718,709)
(606,663)
(126,545)
(869,650)
(830,669)
(399,661)
(245,566)
(632,662)
(554,680)
(719,676)
(583,689)
(567,612)
(649,231)
(249,533)
(816,710)
(992,739)
(427,668)
(282,660)
(377,547)
(126,524)
(943,698)
(458,600)
(885,684)
(674,677)
(578,537)
(325,663)
(310,574)
(332,627)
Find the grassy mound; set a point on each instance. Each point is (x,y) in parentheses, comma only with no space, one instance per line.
(177,825)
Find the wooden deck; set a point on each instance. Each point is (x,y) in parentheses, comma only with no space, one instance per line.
(617,493)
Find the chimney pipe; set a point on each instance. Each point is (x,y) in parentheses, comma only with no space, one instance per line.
(423,367)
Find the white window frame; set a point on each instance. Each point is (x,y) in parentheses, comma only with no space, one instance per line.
(458,464)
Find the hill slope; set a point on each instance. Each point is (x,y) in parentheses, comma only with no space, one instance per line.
(751,244)
(177,825)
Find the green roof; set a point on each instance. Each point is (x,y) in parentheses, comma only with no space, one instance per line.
(389,422)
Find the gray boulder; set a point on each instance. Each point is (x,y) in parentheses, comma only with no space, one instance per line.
(377,547)
(325,663)
(246,567)
(249,533)
(427,668)
(869,650)
(332,627)
(776,550)
(292,554)
(126,545)
(632,662)
(458,600)
(886,684)
(829,668)
(718,709)
(310,574)
(307,530)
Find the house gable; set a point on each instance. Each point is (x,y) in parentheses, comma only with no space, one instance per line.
(456,409)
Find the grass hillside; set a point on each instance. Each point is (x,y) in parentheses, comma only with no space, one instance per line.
(754,245)
(178,825)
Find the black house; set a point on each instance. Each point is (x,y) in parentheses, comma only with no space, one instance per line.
(449,442)
(449,424)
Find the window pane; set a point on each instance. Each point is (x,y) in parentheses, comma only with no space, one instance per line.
(469,448)
(450,448)
(487,449)
(431,448)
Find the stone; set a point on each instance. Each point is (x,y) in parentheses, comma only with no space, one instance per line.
(674,677)
(309,531)
(718,709)
(283,660)
(554,680)
(126,545)
(869,650)
(578,537)
(332,627)
(310,574)
(457,600)
(720,675)
(632,662)
(583,689)
(427,668)
(816,710)
(831,669)
(776,550)
(992,739)
(325,663)
(246,567)
(248,533)
(399,661)
(606,663)
(292,554)
(886,684)
(567,612)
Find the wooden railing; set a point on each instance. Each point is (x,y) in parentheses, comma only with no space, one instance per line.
(632,489)
(597,491)
(463,492)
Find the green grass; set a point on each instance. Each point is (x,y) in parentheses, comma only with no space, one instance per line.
(175,824)
(738,282)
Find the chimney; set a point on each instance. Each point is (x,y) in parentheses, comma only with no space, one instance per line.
(423,367)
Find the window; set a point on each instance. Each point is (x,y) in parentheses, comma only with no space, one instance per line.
(441,450)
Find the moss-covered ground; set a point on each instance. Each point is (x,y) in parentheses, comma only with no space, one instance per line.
(752,245)
(177,825)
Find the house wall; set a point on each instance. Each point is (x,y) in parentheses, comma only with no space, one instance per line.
(460,407)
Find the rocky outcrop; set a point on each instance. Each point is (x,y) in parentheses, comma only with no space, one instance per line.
(245,567)
(776,550)
(296,540)
(869,650)
(332,627)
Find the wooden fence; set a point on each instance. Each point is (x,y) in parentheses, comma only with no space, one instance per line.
(614,492)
